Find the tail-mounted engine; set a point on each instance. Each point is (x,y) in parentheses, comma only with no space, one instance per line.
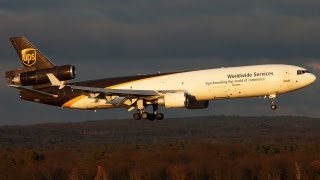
(29,77)
(181,100)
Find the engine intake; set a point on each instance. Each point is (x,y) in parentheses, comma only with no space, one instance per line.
(38,77)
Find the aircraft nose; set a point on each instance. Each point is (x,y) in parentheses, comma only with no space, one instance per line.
(312,78)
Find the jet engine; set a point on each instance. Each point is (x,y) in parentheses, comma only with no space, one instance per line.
(38,77)
(173,100)
(181,100)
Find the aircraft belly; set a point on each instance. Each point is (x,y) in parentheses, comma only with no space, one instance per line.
(86,102)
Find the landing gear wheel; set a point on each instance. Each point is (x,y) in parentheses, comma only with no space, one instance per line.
(144,115)
(136,116)
(272,98)
(159,116)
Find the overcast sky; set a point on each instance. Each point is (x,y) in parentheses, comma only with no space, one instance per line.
(117,38)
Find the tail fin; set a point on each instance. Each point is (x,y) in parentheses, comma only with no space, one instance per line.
(29,55)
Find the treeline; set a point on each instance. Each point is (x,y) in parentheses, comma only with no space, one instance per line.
(219,147)
(116,132)
(167,161)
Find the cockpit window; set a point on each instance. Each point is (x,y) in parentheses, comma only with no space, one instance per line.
(299,72)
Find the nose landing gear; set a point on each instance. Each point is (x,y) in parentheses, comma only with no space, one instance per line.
(272,99)
(273,107)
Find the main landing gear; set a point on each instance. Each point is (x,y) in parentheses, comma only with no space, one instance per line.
(148,116)
(272,99)
(141,114)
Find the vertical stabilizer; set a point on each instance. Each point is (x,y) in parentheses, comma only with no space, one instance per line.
(29,55)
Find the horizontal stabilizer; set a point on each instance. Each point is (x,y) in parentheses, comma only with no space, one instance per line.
(40,93)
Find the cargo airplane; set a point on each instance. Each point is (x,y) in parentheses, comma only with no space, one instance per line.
(43,82)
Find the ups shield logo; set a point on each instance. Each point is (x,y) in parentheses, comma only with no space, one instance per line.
(29,56)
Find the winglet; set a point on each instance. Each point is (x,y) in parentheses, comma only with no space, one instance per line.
(55,81)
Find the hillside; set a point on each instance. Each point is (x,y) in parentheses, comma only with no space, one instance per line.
(221,147)
(218,128)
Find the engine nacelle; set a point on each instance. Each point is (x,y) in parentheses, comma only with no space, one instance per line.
(38,77)
(173,100)
(181,100)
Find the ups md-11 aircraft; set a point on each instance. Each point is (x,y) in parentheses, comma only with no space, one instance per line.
(48,84)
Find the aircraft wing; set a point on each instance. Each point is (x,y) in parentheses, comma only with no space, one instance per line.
(118,92)
(106,91)
(41,93)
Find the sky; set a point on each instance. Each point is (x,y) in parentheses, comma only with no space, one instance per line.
(120,38)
